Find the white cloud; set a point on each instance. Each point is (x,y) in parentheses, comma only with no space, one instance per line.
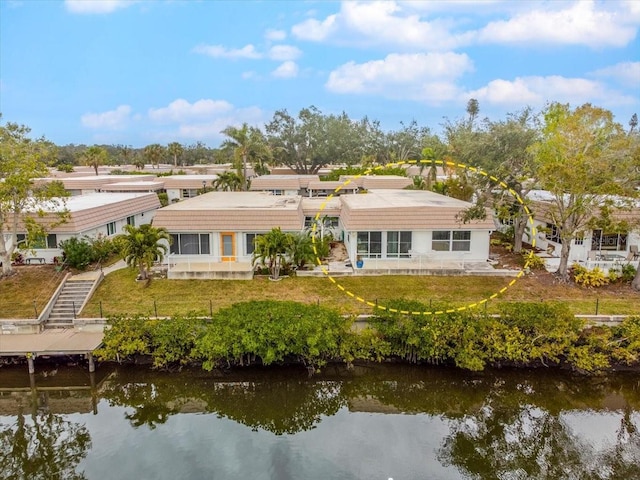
(211,129)
(383,24)
(283,53)
(248,74)
(200,120)
(181,110)
(315,30)
(537,90)
(430,26)
(96,6)
(627,73)
(580,24)
(429,77)
(275,35)
(218,51)
(288,69)
(110,120)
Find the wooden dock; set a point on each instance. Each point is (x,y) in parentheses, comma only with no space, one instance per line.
(51,343)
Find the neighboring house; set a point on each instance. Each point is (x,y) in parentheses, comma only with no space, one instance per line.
(328,187)
(93,183)
(156,186)
(181,187)
(283,184)
(408,225)
(91,215)
(213,234)
(592,244)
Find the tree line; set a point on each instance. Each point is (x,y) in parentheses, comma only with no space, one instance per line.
(587,162)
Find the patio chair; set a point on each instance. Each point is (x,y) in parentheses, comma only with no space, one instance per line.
(592,256)
(634,250)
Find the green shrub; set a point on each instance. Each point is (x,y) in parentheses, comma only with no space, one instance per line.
(164,199)
(628,273)
(533,261)
(589,278)
(78,253)
(65,167)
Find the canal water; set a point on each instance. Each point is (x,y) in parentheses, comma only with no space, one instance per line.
(370,422)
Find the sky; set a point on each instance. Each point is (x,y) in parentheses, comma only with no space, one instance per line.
(158,71)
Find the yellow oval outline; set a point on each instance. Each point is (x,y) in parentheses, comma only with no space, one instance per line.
(419,162)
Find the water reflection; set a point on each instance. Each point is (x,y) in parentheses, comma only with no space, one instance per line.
(495,424)
(527,442)
(43,446)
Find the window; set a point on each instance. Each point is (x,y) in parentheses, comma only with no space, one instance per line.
(451,241)
(608,241)
(553,233)
(370,244)
(49,241)
(190,244)
(131,221)
(250,242)
(111,228)
(578,240)
(398,244)
(461,241)
(329,222)
(190,192)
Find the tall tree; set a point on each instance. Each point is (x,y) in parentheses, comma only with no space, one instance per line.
(154,153)
(247,143)
(21,200)
(95,156)
(126,153)
(502,148)
(175,150)
(582,158)
(141,246)
(312,140)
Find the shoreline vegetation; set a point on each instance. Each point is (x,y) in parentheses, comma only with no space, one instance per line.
(270,332)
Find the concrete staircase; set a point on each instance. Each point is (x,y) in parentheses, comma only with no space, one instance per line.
(69,302)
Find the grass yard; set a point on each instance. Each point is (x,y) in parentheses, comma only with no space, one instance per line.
(32,285)
(119,293)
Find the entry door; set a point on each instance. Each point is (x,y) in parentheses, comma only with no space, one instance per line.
(228,247)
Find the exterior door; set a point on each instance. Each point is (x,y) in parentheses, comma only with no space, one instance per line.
(228,246)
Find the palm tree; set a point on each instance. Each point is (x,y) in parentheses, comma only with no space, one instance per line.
(300,250)
(228,182)
(154,153)
(270,249)
(247,142)
(141,246)
(175,150)
(94,157)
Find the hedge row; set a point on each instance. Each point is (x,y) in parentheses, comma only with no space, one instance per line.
(268,332)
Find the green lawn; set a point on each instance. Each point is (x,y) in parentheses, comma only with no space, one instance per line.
(119,293)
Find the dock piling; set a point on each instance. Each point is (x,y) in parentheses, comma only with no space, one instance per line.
(92,365)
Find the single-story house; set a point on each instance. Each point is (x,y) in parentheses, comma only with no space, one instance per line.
(93,183)
(91,215)
(325,188)
(180,187)
(156,185)
(591,245)
(283,184)
(410,225)
(213,234)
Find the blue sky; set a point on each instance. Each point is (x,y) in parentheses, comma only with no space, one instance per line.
(140,72)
